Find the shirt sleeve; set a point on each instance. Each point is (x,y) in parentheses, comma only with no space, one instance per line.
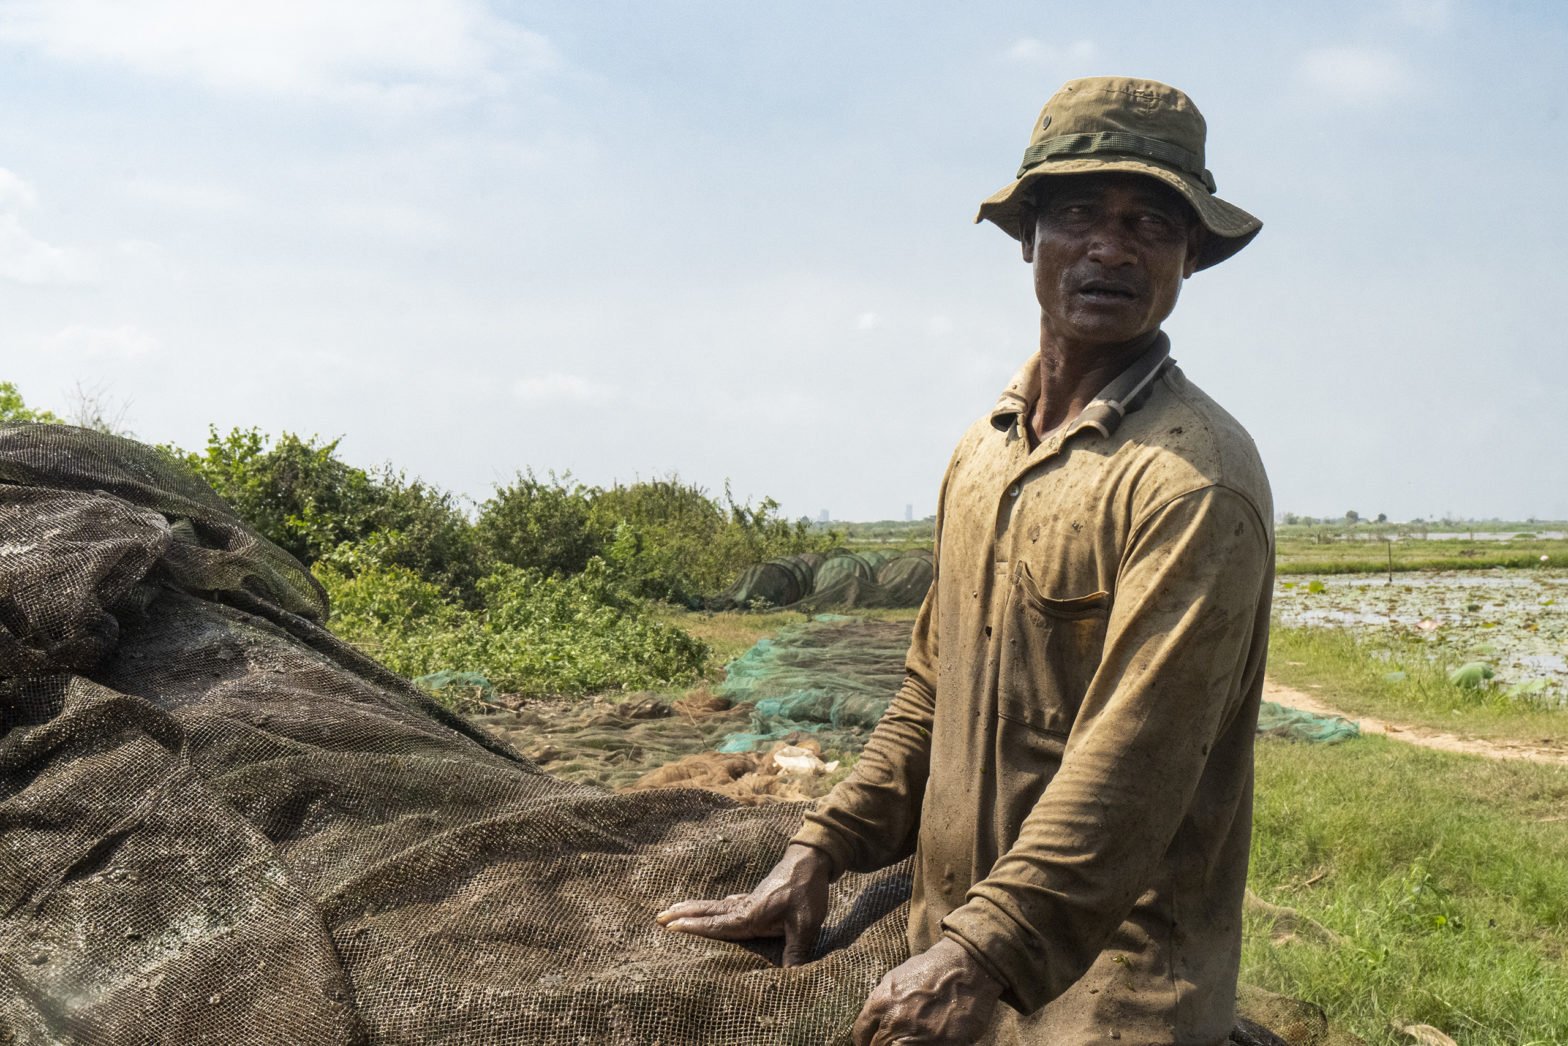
(872,818)
(1185,639)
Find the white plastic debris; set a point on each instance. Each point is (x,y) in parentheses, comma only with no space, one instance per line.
(792,759)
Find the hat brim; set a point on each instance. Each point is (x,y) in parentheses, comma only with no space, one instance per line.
(1230,228)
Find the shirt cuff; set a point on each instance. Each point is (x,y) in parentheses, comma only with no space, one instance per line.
(999,944)
(828,842)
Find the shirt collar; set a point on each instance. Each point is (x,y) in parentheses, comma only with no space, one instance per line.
(1121,396)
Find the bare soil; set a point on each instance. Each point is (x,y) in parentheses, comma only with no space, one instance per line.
(1545,750)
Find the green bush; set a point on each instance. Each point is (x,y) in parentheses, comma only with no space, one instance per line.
(534,634)
(663,539)
(537,525)
(578,634)
(672,541)
(301,496)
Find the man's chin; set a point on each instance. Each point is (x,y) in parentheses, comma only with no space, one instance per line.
(1111,330)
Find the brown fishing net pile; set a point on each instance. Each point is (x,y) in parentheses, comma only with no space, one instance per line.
(219,824)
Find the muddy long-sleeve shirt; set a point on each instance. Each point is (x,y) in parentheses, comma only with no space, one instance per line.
(1070,756)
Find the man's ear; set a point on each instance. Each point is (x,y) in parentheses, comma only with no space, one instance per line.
(1195,237)
(1026,234)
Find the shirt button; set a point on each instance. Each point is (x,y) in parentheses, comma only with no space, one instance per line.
(1013,491)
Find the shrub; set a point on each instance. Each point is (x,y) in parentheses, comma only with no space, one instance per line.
(298,494)
(578,634)
(537,525)
(535,634)
(662,539)
(674,542)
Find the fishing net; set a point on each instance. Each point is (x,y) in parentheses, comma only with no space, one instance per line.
(613,744)
(1294,724)
(220,824)
(831,677)
(842,581)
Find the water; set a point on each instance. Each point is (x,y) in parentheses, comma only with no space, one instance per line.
(1514,620)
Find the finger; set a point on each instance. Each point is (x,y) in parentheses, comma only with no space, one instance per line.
(867,1023)
(801,927)
(887,1036)
(685,909)
(730,926)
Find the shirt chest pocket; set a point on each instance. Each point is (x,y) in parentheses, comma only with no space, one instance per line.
(1050,648)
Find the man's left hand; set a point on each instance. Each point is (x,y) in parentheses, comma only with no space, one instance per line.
(941,997)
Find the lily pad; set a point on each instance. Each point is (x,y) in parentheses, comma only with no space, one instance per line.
(1472,675)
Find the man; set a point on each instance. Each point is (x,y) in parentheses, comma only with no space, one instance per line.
(1070,757)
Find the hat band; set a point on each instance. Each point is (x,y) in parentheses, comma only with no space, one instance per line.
(1184,160)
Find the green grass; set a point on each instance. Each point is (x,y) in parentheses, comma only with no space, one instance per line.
(1443,877)
(1298,553)
(1352,673)
(728,633)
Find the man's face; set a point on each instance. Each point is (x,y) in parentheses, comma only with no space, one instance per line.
(1109,252)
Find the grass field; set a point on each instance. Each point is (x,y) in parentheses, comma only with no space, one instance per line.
(1440,878)
(1377,548)
(1302,554)
(1361,676)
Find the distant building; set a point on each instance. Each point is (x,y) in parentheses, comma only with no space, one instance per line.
(909,513)
(822,517)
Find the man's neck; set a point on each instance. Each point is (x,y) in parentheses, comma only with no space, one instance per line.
(1071,376)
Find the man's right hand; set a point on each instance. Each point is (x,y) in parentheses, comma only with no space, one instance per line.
(790,902)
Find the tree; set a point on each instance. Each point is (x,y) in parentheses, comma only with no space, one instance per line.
(93,408)
(14,408)
(1352,517)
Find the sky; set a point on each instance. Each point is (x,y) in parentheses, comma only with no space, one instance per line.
(734,241)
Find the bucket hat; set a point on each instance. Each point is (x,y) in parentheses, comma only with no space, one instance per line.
(1112,123)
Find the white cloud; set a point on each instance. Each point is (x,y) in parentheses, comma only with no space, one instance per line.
(407,52)
(123,342)
(1039,52)
(939,326)
(556,387)
(1424,14)
(1355,74)
(24,258)
(394,220)
(189,196)
(867,321)
(15,194)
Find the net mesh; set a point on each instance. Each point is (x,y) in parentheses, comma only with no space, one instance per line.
(220,824)
(814,583)
(832,677)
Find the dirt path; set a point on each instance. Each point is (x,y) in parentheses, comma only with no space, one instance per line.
(1544,752)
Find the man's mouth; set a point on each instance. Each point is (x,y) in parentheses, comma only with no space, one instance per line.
(1106,291)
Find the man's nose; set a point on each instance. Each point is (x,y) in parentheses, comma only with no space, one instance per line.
(1110,244)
